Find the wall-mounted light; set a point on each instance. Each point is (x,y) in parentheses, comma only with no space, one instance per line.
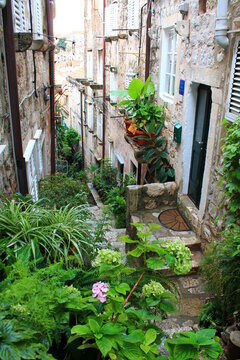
(46,94)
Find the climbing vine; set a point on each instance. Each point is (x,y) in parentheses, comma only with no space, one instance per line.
(231,168)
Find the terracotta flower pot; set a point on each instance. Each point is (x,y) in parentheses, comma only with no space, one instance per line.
(142,142)
(128,123)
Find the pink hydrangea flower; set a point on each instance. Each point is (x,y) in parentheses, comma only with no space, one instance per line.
(99,290)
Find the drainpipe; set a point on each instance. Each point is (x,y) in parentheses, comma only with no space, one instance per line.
(49,8)
(81,102)
(11,74)
(104,83)
(148,40)
(222,24)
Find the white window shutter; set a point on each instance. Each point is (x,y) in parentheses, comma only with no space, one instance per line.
(233,103)
(30,156)
(90,116)
(113,19)
(107,21)
(39,137)
(133,10)
(19,16)
(89,65)
(99,125)
(37,20)
(128,79)
(113,86)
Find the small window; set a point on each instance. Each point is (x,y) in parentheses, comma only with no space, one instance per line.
(90,64)
(133,9)
(99,125)
(90,115)
(233,101)
(168,64)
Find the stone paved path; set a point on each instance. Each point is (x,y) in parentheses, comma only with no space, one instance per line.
(189,287)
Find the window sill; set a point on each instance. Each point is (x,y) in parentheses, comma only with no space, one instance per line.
(167,98)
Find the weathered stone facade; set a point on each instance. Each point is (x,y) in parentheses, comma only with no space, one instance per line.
(33,106)
(200,60)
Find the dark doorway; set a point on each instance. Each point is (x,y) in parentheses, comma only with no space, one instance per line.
(202,118)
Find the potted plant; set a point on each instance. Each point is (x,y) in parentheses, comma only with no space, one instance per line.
(139,107)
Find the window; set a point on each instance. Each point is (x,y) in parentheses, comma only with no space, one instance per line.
(40,137)
(37,20)
(83,108)
(113,86)
(133,9)
(120,165)
(168,64)
(233,101)
(202,7)
(19,16)
(89,64)
(100,67)
(90,115)
(99,125)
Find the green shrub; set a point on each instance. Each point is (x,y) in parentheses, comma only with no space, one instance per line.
(221,273)
(105,178)
(34,310)
(29,231)
(61,190)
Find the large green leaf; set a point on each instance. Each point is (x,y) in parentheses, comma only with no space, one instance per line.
(137,252)
(136,336)
(132,352)
(81,330)
(150,336)
(94,326)
(135,88)
(122,288)
(111,329)
(155,263)
(105,345)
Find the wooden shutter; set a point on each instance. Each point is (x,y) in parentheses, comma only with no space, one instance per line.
(19,16)
(99,125)
(113,19)
(113,86)
(30,156)
(128,79)
(90,115)
(37,20)
(100,67)
(107,21)
(39,137)
(89,65)
(133,9)
(234,92)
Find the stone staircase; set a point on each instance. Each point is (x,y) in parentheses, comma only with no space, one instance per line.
(144,204)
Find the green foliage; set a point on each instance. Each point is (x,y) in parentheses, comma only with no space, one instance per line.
(34,309)
(181,262)
(139,106)
(220,270)
(107,256)
(154,153)
(61,190)
(31,232)
(190,345)
(231,168)
(105,178)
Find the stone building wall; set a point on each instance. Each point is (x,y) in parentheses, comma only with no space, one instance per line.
(8,182)
(34,109)
(200,60)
